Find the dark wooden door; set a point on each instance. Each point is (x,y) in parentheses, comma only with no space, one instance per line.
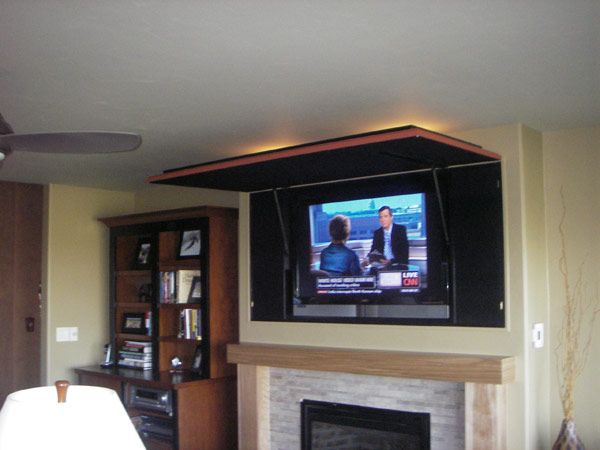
(21,218)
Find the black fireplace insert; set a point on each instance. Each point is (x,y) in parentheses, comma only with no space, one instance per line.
(337,426)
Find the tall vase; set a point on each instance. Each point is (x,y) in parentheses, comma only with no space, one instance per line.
(567,437)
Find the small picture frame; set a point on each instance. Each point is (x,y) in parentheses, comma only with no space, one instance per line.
(197,360)
(134,323)
(195,294)
(189,244)
(143,254)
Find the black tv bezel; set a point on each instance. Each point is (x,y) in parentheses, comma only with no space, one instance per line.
(297,228)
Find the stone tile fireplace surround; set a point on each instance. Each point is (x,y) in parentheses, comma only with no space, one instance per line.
(465,394)
(443,400)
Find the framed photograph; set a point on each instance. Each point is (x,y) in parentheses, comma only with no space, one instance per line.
(134,323)
(195,294)
(189,244)
(197,360)
(143,254)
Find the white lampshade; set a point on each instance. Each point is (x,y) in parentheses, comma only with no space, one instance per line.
(91,418)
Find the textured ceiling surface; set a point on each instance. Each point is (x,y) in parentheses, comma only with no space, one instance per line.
(202,80)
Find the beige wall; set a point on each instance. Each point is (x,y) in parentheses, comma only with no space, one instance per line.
(535,290)
(156,198)
(76,274)
(572,161)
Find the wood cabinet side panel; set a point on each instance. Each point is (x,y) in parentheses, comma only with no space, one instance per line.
(223,293)
(207,415)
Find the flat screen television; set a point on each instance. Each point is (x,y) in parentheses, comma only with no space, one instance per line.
(370,251)
(442,265)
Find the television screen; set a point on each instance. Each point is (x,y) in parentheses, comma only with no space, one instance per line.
(375,253)
(371,246)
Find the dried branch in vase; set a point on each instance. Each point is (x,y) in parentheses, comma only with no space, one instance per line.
(581,308)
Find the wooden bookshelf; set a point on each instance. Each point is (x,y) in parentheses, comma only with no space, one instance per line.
(136,290)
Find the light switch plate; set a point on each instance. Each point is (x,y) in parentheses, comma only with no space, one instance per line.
(67,334)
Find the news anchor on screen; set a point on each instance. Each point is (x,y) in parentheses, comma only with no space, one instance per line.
(390,243)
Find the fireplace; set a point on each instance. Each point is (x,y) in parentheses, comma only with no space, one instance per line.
(327,425)
(465,395)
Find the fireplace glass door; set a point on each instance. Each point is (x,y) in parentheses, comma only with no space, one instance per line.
(336,426)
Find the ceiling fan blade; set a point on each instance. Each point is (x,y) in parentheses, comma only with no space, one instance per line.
(72,142)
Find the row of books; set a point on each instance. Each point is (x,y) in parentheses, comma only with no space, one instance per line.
(190,324)
(180,286)
(136,355)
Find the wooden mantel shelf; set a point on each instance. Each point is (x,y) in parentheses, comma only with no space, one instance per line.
(485,369)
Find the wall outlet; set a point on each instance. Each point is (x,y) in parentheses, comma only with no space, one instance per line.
(537,335)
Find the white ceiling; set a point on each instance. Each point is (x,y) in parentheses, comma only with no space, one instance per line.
(205,80)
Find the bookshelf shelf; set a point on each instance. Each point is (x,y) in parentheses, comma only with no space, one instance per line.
(136,305)
(178,306)
(133,273)
(174,338)
(184,264)
(133,337)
